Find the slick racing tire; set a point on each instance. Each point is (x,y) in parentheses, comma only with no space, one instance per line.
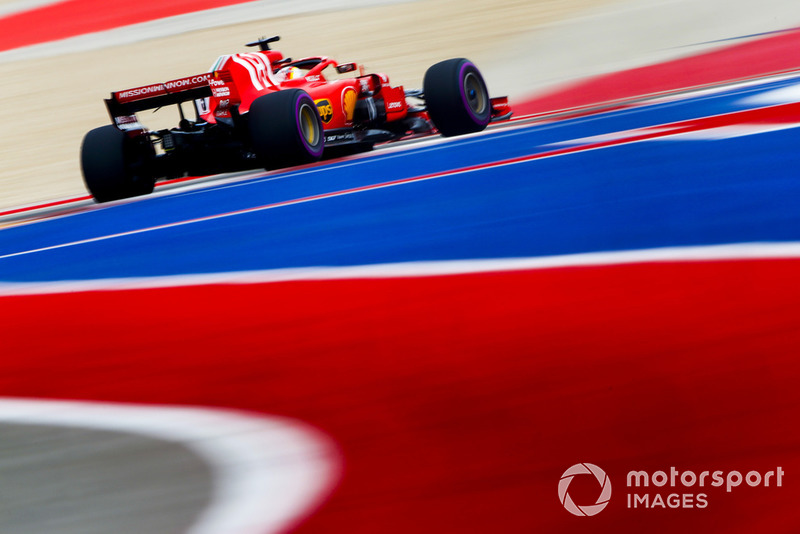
(456,97)
(115,165)
(285,129)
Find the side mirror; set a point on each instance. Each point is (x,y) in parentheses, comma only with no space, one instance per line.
(346,67)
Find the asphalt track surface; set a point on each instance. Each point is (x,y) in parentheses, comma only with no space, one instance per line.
(51,477)
(463,319)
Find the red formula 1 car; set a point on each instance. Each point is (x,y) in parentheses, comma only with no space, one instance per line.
(260,109)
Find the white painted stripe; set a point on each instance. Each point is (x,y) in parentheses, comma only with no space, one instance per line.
(26,5)
(709,253)
(250,70)
(680,134)
(713,89)
(615,136)
(268,471)
(211,18)
(256,65)
(783,95)
(728,132)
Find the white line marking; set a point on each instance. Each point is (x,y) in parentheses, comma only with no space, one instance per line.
(614,136)
(729,132)
(25,5)
(782,95)
(417,269)
(679,133)
(269,471)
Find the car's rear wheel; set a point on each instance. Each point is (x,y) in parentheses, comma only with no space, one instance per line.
(456,97)
(115,165)
(285,129)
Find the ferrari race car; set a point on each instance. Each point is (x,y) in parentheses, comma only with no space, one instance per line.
(261,110)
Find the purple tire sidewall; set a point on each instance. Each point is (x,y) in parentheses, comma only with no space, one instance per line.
(461,74)
(316,152)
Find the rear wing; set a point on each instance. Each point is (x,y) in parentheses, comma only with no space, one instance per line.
(123,105)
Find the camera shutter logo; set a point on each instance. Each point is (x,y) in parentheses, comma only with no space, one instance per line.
(584,469)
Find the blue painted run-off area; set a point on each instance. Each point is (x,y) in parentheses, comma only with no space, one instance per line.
(641,195)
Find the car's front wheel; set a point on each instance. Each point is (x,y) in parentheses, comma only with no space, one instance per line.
(456,97)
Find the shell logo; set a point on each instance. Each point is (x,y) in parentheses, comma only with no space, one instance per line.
(349,98)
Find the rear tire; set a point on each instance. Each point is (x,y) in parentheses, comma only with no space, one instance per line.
(456,97)
(285,129)
(116,166)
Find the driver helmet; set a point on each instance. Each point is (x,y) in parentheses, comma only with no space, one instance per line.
(289,73)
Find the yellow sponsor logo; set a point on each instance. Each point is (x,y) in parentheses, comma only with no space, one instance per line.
(325,110)
(349,99)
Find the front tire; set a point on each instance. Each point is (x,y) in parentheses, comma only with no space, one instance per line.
(285,129)
(456,97)
(116,166)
